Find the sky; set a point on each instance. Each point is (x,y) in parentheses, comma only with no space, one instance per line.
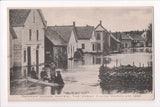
(113,18)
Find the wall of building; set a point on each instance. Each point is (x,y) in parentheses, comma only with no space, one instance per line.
(72,46)
(115,46)
(23,41)
(126,43)
(106,43)
(17,47)
(87,44)
(100,41)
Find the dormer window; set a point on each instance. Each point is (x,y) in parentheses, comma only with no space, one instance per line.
(98,35)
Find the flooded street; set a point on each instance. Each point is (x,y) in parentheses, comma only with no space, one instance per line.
(81,77)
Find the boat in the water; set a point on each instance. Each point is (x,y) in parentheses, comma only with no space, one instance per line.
(37,81)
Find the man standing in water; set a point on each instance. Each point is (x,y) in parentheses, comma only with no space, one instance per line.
(53,71)
(33,74)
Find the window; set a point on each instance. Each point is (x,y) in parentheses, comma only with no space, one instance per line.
(98,35)
(33,17)
(93,48)
(24,55)
(83,46)
(37,34)
(98,60)
(126,45)
(30,34)
(98,46)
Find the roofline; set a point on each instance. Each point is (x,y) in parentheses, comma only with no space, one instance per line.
(61,26)
(13,33)
(107,32)
(41,15)
(24,21)
(42,18)
(54,44)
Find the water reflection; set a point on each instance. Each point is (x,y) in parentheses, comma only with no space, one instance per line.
(82,76)
(56,90)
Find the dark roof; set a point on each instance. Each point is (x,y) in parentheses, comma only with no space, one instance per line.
(137,37)
(84,32)
(13,33)
(125,37)
(64,31)
(17,17)
(54,37)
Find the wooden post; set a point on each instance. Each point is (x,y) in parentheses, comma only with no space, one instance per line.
(116,62)
(139,64)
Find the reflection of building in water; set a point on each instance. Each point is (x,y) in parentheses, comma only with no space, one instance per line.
(93,59)
(28,25)
(56,90)
(90,60)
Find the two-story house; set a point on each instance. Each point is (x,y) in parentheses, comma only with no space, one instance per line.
(29,26)
(105,41)
(86,38)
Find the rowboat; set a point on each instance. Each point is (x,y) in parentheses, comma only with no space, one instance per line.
(46,83)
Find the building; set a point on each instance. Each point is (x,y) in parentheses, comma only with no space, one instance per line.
(55,48)
(126,41)
(144,36)
(29,26)
(138,40)
(105,41)
(86,38)
(11,51)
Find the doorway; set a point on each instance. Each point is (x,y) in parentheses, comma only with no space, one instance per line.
(29,60)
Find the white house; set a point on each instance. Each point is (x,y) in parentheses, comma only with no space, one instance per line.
(86,38)
(144,36)
(29,26)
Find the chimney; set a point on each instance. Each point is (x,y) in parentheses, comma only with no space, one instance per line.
(74,24)
(100,22)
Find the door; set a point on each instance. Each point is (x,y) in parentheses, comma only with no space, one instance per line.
(29,60)
(37,61)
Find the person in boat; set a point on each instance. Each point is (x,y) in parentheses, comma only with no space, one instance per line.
(53,71)
(33,74)
(44,75)
(58,78)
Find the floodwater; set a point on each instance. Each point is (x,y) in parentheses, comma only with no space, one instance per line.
(81,77)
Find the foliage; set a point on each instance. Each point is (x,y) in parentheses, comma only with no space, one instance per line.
(149,35)
(126,78)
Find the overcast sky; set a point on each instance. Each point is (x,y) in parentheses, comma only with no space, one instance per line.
(114,19)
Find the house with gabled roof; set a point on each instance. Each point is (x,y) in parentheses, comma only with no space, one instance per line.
(138,40)
(106,42)
(126,40)
(86,38)
(67,38)
(55,48)
(29,27)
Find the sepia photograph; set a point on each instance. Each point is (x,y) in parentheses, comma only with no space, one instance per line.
(81,53)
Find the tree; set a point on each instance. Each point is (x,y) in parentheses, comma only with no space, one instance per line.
(149,35)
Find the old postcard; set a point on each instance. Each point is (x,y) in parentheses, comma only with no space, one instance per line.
(80,53)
